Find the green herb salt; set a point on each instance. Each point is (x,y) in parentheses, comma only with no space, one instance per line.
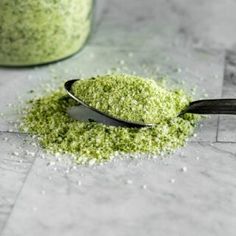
(40,31)
(131,98)
(47,118)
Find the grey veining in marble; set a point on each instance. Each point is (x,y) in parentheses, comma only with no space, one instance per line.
(191,192)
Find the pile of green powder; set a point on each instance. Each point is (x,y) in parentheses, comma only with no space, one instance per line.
(126,96)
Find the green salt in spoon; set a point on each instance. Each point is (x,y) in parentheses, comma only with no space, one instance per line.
(207,107)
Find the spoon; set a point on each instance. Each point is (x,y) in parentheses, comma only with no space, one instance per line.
(208,106)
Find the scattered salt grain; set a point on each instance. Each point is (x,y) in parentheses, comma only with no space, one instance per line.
(129,181)
(35,208)
(130,54)
(43,192)
(144,186)
(30,153)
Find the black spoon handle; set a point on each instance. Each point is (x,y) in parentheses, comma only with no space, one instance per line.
(212,106)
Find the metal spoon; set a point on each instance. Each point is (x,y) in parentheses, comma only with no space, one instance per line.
(208,106)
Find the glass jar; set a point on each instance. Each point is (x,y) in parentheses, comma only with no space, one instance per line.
(36,32)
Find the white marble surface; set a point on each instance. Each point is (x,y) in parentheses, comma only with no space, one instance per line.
(15,165)
(186,40)
(132,197)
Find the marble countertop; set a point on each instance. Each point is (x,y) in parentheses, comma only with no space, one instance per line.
(190,192)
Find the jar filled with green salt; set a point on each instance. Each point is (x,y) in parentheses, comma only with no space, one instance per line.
(36,32)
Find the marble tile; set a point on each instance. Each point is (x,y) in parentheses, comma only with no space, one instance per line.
(137,24)
(227,123)
(15,165)
(207,22)
(190,193)
(192,69)
(197,23)
(227,130)
(15,87)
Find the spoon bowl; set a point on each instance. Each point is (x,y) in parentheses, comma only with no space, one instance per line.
(68,88)
(207,107)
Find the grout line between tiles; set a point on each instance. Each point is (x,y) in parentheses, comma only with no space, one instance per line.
(225,142)
(200,141)
(13,132)
(222,87)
